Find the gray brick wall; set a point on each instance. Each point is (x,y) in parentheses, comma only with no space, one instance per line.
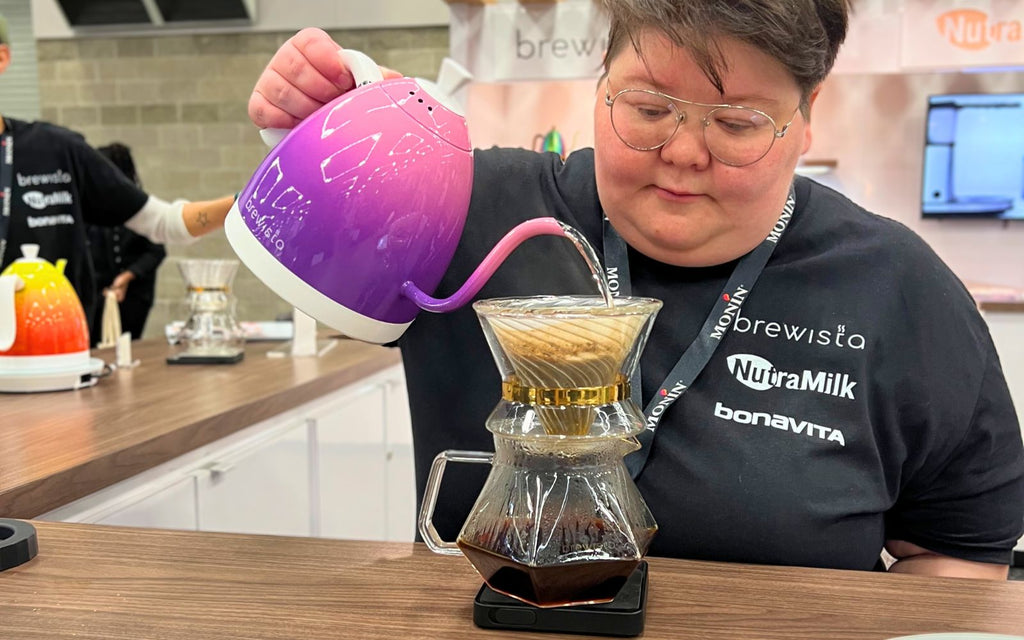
(180,103)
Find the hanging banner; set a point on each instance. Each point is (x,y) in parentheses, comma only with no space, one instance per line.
(872,42)
(505,40)
(512,41)
(958,34)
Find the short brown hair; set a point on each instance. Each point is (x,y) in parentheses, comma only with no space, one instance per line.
(803,35)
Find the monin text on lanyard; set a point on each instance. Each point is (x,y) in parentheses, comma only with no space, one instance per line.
(717,324)
(6,184)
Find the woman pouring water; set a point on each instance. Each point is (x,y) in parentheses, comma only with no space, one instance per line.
(818,386)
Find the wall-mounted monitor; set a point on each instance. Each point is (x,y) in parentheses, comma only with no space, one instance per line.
(974,156)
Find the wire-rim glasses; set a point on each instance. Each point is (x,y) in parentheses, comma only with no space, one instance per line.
(737,136)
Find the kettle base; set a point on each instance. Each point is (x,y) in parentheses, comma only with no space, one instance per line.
(299,293)
(38,381)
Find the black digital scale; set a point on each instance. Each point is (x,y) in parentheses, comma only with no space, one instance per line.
(622,617)
(187,358)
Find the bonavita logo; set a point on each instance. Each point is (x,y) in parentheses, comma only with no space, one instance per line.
(780,422)
(760,375)
(35,222)
(972,29)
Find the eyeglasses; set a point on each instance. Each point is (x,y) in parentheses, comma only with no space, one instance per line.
(737,136)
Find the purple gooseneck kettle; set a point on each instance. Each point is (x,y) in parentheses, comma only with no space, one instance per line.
(355,214)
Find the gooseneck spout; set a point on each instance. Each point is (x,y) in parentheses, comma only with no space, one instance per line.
(490,264)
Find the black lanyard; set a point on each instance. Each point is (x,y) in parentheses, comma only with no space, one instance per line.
(717,324)
(6,184)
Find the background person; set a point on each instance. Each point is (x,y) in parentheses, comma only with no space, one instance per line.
(58,184)
(853,400)
(124,262)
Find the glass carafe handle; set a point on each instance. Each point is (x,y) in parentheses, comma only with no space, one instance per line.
(426,520)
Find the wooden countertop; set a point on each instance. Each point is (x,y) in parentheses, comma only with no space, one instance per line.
(60,446)
(114,583)
(996,297)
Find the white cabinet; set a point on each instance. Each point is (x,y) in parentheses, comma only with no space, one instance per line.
(340,467)
(367,486)
(401,475)
(1007,329)
(352,465)
(164,507)
(261,486)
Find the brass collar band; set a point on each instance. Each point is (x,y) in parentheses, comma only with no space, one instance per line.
(513,391)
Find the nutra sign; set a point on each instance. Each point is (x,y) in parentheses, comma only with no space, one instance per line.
(974,30)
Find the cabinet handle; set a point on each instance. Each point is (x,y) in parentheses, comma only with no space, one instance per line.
(216,469)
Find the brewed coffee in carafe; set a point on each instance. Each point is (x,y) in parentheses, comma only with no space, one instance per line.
(559,520)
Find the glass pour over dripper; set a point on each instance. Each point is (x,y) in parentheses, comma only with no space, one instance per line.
(211,328)
(568,345)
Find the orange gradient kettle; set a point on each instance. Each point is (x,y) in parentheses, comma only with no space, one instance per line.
(44,335)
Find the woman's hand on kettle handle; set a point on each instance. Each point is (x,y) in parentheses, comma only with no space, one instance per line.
(304,74)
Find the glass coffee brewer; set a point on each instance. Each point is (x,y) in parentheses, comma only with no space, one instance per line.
(210,334)
(559,520)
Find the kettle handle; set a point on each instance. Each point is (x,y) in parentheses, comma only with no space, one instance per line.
(364,71)
(426,519)
(9,285)
(538,142)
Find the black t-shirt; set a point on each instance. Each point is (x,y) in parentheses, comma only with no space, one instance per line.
(59,184)
(857,398)
(115,250)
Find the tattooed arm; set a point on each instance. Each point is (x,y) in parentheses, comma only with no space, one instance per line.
(179,222)
(203,217)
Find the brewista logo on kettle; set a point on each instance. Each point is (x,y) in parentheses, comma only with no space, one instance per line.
(354,216)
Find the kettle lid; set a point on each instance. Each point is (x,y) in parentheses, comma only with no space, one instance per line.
(29,253)
(418,102)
